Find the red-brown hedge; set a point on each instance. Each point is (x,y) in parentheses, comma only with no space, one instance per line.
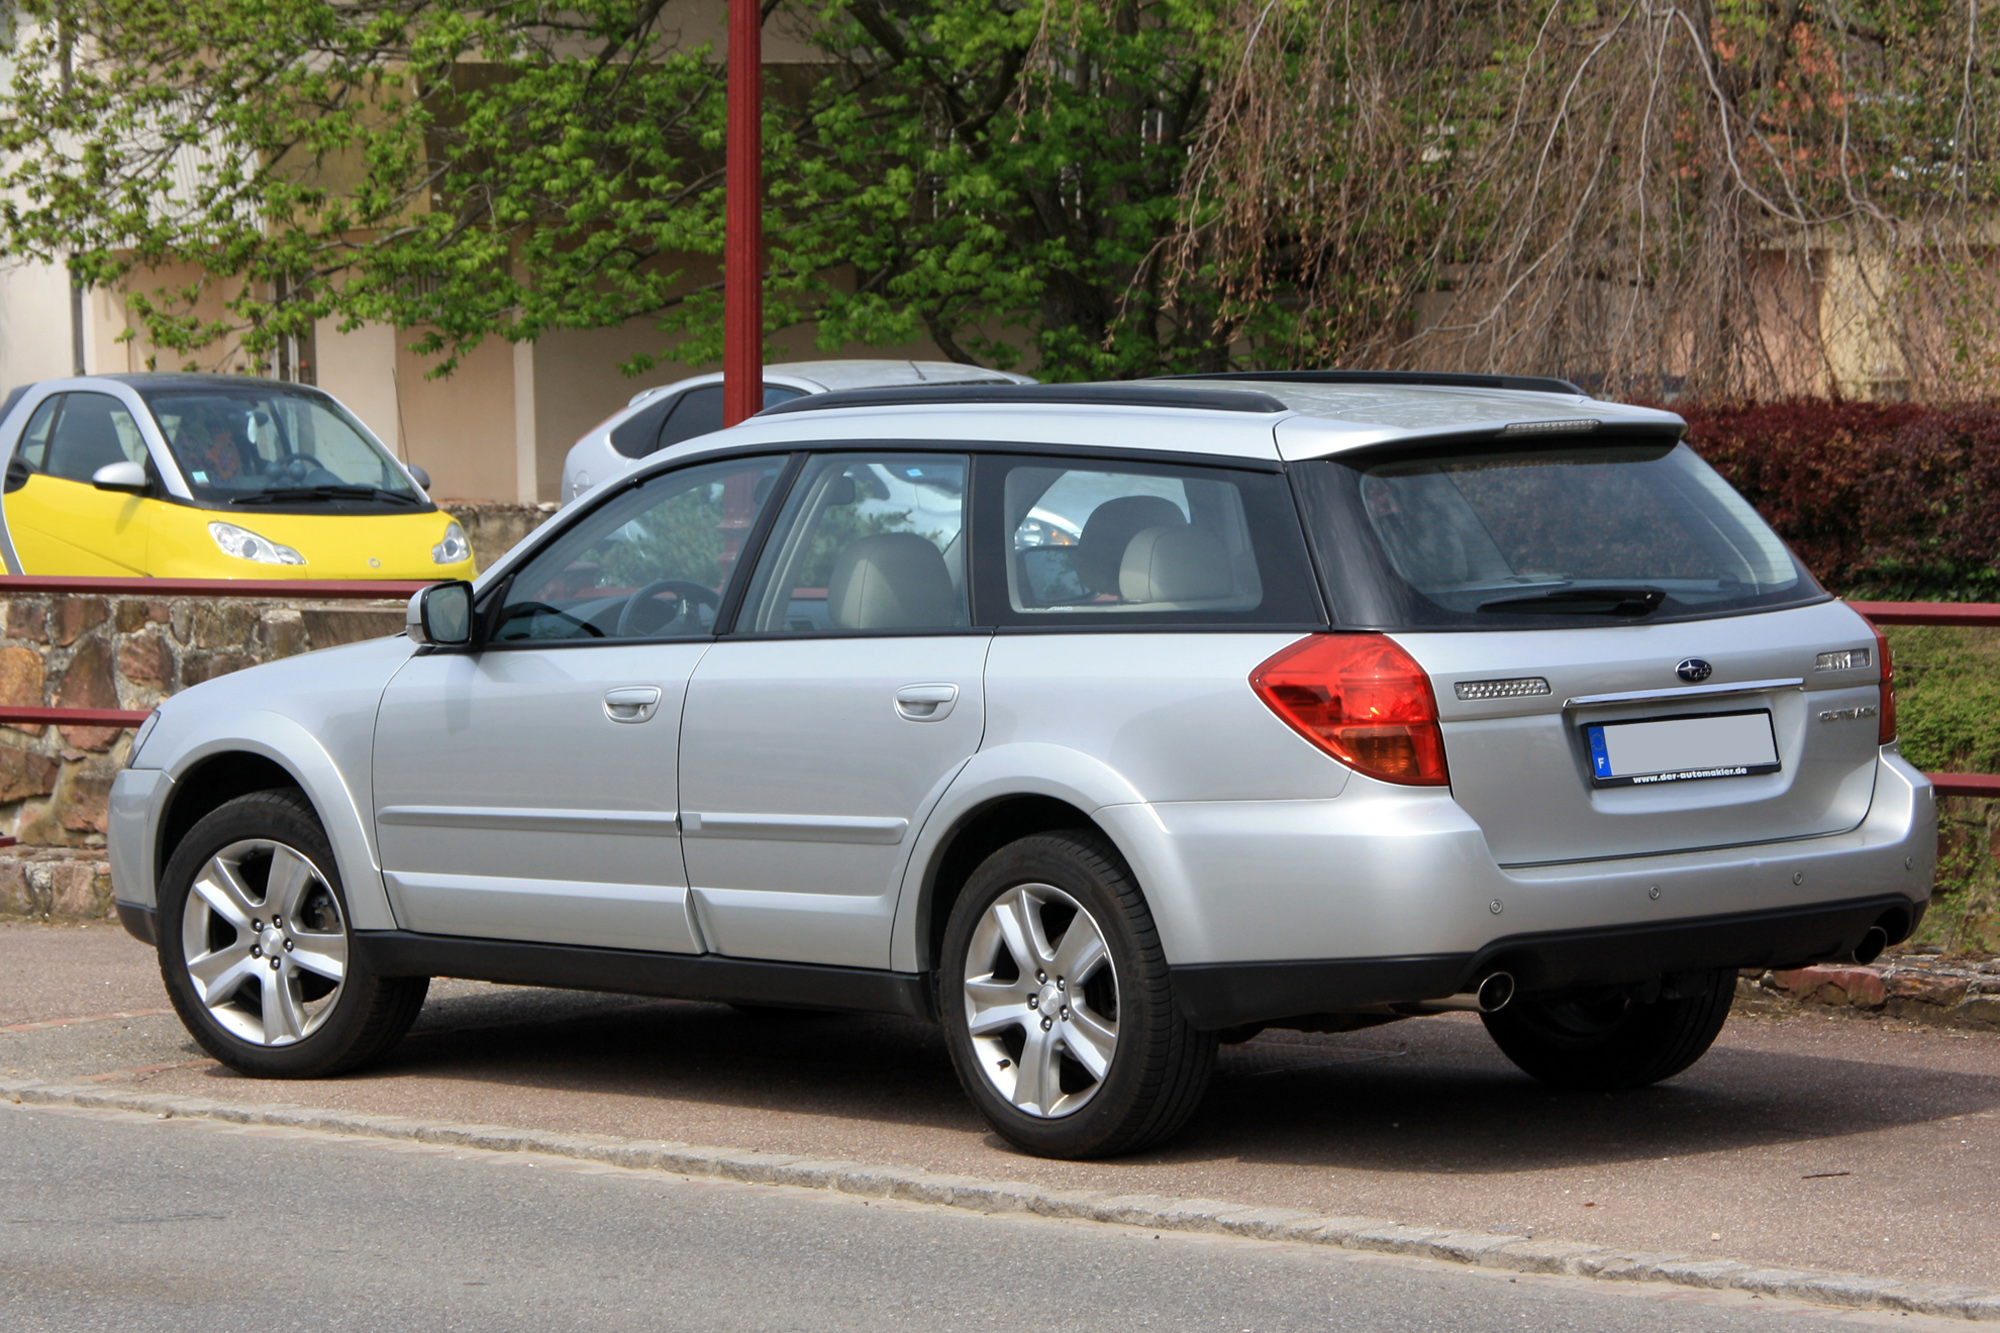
(1879,499)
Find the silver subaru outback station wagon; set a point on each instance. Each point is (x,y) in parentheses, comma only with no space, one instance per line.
(1099,724)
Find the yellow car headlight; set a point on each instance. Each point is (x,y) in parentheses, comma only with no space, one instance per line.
(454,547)
(247,545)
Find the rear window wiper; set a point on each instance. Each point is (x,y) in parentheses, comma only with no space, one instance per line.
(282,494)
(1583,602)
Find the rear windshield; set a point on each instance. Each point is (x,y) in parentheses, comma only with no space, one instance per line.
(1536,538)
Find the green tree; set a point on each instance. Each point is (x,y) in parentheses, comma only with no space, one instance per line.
(999,177)
(471,169)
(1101,187)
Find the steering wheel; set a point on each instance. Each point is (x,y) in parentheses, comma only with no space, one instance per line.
(292,466)
(633,619)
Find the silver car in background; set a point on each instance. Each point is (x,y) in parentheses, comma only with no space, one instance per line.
(659,418)
(1100,724)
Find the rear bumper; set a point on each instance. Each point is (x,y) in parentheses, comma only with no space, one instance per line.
(1400,872)
(1226,994)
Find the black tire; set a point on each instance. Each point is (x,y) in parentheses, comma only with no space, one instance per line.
(1159,1066)
(357,1019)
(1606,1039)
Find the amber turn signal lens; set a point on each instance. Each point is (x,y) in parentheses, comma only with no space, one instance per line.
(1361,699)
(1886,717)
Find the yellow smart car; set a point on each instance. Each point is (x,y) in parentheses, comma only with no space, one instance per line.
(211,476)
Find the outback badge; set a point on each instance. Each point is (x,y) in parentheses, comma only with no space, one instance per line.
(1694,670)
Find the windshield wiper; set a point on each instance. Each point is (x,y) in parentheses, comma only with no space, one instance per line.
(283,494)
(1583,602)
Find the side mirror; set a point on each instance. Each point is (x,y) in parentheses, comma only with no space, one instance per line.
(423,477)
(128,477)
(441,615)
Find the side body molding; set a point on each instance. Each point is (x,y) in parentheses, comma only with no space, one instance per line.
(1027,768)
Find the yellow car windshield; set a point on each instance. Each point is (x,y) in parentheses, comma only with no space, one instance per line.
(260,445)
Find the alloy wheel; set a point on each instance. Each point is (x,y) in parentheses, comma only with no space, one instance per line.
(1041,1000)
(265,942)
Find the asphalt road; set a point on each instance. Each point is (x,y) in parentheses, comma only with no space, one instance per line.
(119,1222)
(1854,1145)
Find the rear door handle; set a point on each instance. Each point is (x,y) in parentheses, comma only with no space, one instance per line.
(925,703)
(632,703)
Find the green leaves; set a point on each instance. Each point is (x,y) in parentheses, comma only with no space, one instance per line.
(1000,178)
(461,170)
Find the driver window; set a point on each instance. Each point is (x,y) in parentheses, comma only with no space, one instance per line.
(35,439)
(650,563)
(93,431)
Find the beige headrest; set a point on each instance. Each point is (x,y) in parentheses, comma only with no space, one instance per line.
(893,580)
(1100,547)
(1175,564)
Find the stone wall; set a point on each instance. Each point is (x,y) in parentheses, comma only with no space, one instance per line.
(495,529)
(82,651)
(55,883)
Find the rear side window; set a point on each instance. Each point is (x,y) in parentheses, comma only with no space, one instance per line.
(1541,537)
(866,543)
(1091,542)
(678,417)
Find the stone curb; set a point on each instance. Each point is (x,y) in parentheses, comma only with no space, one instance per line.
(1514,1254)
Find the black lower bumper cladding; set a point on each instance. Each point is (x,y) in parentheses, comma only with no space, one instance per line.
(1222,995)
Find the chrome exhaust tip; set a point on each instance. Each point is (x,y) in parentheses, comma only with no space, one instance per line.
(1497,990)
(1872,944)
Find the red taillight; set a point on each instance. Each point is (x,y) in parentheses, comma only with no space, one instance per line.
(1361,699)
(1886,717)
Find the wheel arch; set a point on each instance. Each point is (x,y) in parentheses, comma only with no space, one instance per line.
(274,751)
(207,785)
(975,835)
(1004,793)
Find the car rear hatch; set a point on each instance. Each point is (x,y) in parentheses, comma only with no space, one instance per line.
(1625,659)
(1615,754)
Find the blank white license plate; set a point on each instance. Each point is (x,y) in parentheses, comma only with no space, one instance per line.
(1682,749)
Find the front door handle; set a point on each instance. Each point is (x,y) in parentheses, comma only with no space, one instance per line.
(632,703)
(925,703)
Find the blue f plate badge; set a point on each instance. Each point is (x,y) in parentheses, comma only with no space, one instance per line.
(1682,749)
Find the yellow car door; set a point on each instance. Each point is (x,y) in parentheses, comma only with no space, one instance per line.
(59,522)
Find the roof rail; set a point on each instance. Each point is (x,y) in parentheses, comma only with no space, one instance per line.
(1419,378)
(1147,394)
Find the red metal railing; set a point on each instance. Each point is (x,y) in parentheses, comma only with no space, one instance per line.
(1962,615)
(1980,615)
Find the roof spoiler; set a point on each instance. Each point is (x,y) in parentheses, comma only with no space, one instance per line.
(1413,378)
(1133,394)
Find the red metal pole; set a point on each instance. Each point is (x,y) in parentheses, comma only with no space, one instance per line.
(743,242)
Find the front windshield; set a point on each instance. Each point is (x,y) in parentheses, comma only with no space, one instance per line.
(264,444)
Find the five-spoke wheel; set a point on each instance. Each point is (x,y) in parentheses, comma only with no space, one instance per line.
(264,942)
(1041,1000)
(257,948)
(1058,1004)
